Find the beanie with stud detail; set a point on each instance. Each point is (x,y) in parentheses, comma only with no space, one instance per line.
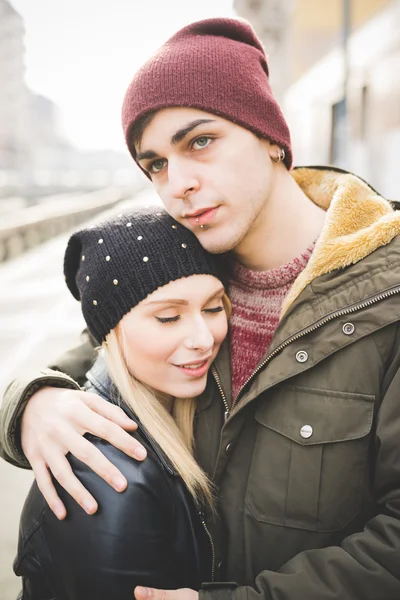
(114,265)
(215,65)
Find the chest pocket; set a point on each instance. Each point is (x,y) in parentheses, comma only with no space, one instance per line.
(310,459)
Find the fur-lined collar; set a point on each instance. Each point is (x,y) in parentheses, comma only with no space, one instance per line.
(358,222)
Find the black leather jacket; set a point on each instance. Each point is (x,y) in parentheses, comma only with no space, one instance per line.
(151,534)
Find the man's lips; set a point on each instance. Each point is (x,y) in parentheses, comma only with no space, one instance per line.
(202,216)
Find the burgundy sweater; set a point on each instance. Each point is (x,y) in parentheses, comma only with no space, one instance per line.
(257,298)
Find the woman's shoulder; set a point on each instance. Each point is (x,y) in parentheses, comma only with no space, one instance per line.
(119,528)
(154,470)
(149,497)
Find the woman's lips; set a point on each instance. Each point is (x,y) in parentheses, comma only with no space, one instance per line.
(196,369)
(203,218)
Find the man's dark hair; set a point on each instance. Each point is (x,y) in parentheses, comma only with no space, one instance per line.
(139,126)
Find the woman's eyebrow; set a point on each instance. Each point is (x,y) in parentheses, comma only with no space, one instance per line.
(181,301)
(168,301)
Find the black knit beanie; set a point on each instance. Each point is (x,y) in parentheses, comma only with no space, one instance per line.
(112,266)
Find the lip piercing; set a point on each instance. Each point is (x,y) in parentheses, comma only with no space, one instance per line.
(197,220)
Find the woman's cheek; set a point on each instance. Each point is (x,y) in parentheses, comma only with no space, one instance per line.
(159,342)
(222,331)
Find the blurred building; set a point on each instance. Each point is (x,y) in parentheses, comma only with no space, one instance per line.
(357,126)
(46,126)
(36,158)
(342,101)
(297,33)
(272,21)
(58,164)
(317,28)
(50,148)
(14,96)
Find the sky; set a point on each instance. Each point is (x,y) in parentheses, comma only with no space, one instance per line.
(82,55)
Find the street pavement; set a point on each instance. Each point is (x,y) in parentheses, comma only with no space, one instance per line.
(39,319)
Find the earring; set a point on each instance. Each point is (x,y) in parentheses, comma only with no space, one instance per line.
(280,156)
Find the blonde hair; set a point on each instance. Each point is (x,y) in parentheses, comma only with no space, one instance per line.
(172,432)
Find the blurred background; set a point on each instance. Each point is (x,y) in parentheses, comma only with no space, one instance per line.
(64,67)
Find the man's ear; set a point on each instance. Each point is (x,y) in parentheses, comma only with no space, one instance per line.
(276,153)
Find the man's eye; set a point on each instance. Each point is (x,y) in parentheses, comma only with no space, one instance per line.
(156,166)
(201,142)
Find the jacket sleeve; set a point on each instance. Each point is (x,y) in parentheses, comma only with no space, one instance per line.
(68,371)
(366,566)
(128,542)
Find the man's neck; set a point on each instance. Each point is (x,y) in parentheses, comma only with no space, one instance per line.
(287,226)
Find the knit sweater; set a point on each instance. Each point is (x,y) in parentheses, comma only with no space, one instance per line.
(257,298)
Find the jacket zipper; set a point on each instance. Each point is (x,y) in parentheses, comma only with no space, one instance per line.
(203,522)
(221,391)
(297,336)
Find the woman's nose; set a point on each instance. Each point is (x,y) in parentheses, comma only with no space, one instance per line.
(200,338)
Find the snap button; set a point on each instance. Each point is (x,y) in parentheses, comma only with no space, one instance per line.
(306,431)
(302,356)
(348,328)
(228,448)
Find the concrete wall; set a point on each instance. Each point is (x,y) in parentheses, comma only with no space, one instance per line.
(28,227)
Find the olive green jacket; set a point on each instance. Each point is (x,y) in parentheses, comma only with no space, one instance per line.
(307,462)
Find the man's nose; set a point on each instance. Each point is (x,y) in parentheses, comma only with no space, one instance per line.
(181,178)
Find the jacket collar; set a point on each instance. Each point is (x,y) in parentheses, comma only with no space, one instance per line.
(100,380)
(358,222)
(361,232)
(102,383)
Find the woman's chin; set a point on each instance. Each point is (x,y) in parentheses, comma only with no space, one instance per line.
(189,389)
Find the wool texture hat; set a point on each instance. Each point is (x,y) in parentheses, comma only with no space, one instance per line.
(113,266)
(216,65)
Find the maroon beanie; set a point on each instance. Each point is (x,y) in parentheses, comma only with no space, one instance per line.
(216,65)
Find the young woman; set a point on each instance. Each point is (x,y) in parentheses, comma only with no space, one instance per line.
(153,298)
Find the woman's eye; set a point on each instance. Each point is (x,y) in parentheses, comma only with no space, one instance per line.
(201,142)
(167,319)
(217,309)
(156,166)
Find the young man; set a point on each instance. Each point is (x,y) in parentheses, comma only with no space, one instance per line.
(299,427)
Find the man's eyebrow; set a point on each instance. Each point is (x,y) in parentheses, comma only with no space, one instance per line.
(183,302)
(181,133)
(146,154)
(175,139)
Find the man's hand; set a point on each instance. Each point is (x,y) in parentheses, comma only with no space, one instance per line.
(54,423)
(144,593)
